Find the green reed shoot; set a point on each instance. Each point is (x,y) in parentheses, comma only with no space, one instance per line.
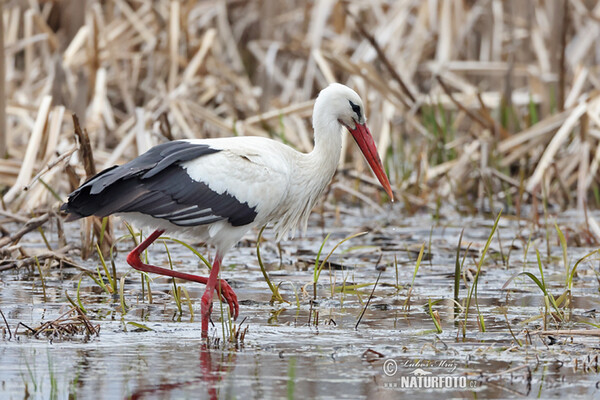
(175,290)
(224,320)
(291,383)
(101,240)
(132,234)
(571,275)
(53,384)
(124,307)
(319,266)
(276,296)
(79,303)
(69,299)
(43,235)
(139,326)
(189,247)
(473,289)
(188,301)
(458,266)
(548,298)
(412,284)
(317,258)
(100,282)
(352,289)
(51,190)
(133,237)
(434,317)
(533,114)
(32,375)
(112,281)
(563,245)
(103,230)
(294,289)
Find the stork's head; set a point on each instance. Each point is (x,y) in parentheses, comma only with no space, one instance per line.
(341,103)
(338,104)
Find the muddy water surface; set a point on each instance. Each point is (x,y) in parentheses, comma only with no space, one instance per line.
(306,349)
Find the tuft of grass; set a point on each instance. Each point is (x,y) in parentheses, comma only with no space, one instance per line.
(473,289)
(319,266)
(563,301)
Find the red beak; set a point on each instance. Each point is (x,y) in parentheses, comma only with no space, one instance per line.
(365,142)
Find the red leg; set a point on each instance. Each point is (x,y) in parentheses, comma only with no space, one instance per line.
(226,292)
(207,297)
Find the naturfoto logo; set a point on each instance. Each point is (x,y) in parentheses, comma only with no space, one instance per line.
(422,377)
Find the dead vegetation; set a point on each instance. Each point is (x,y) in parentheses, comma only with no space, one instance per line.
(69,324)
(482,102)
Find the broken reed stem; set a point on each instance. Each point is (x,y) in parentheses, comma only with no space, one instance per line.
(31,225)
(85,147)
(103,232)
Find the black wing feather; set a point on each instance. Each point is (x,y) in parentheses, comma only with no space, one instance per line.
(155,184)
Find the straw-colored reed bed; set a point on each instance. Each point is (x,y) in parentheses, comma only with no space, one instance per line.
(487,103)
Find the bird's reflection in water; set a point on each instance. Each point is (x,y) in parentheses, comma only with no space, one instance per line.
(214,365)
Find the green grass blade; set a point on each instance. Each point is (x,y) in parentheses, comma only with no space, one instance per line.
(438,328)
(563,244)
(473,289)
(139,326)
(276,296)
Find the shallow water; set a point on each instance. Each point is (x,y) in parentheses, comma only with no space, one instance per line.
(395,350)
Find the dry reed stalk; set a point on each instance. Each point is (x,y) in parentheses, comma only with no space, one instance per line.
(31,153)
(555,144)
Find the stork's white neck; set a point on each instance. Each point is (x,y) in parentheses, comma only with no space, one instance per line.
(314,172)
(328,145)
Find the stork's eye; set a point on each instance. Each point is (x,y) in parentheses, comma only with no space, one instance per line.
(356,109)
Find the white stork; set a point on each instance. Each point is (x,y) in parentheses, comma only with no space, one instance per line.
(215,190)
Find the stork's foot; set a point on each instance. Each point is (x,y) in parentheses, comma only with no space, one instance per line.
(228,296)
